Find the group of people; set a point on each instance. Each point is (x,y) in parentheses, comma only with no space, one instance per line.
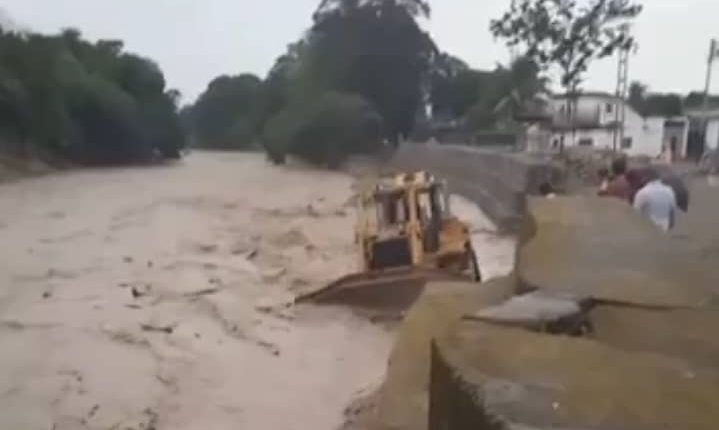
(645,190)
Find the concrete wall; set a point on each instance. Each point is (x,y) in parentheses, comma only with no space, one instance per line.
(643,358)
(600,138)
(644,303)
(497,181)
(647,135)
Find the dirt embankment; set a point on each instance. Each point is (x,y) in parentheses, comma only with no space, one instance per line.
(141,298)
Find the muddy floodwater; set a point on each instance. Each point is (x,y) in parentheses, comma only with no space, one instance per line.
(137,298)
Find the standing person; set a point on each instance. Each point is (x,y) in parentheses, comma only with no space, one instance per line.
(547,190)
(637,181)
(603,175)
(657,201)
(619,186)
(681,191)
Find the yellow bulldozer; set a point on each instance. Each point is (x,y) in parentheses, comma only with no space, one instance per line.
(406,235)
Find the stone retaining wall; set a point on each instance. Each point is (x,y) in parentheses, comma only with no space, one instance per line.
(497,181)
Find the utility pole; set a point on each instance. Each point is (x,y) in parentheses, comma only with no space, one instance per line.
(707,87)
(620,111)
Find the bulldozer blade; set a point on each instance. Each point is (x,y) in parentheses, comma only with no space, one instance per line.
(394,289)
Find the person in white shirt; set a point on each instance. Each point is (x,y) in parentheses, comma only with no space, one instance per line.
(657,201)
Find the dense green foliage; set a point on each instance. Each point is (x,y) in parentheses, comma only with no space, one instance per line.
(359,73)
(504,94)
(483,99)
(225,115)
(374,49)
(455,87)
(695,100)
(88,102)
(325,130)
(648,103)
(362,74)
(652,104)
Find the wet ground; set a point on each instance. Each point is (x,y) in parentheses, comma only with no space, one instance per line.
(700,226)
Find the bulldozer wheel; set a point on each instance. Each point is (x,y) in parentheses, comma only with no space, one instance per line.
(476,273)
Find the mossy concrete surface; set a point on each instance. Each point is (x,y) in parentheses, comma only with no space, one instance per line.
(497,375)
(600,248)
(646,357)
(403,399)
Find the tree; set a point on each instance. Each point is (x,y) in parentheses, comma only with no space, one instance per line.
(371,51)
(666,105)
(454,86)
(695,100)
(637,94)
(566,33)
(325,130)
(15,116)
(224,116)
(375,49)
(516,87)
(91,102)
(652,104)
(504,93)
(416,8)
(275,90)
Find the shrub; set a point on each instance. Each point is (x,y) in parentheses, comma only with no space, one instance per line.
(224,117)
(324,131)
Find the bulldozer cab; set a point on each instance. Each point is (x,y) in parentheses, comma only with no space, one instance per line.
(401,219)
(397,207)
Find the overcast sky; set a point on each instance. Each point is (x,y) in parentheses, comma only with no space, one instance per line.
(196,40)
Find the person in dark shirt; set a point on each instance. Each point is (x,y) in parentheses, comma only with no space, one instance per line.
(547,190)
(637,180)
(618,186)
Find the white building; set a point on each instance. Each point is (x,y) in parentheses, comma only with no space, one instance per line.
(592,121)
(711,139)
(711,118)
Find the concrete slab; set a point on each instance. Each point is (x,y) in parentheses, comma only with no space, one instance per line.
(602,249)
(403,399)
(488,376)
(685,334)
(534,307)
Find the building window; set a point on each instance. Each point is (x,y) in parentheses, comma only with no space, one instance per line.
(627,143)
(586,142)
(609,108)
